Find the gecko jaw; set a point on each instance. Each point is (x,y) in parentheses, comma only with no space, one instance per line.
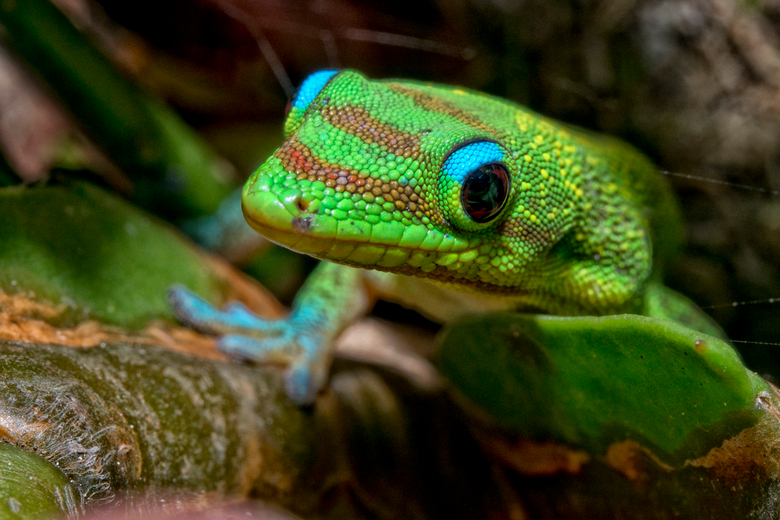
(281,218)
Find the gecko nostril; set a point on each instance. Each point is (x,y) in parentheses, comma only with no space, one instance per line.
(301,204)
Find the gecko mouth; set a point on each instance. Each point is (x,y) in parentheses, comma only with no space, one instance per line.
(287,219)
(292,223)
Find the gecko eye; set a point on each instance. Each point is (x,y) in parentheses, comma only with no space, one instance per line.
(485,192)
(475,184)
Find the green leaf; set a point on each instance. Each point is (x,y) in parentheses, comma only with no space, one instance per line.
(96,255)
(592,381)
(32,487)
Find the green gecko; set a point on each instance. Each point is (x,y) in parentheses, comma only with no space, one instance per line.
(452,202)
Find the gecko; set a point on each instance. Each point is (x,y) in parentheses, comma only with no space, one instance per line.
(451,202)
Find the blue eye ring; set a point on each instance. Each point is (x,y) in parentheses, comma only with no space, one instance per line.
(311,87)
(303,97)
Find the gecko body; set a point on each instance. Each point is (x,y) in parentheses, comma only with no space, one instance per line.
(450,201)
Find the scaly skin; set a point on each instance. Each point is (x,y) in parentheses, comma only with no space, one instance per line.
(371,175)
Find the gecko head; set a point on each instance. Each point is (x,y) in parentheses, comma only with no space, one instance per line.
(397,176)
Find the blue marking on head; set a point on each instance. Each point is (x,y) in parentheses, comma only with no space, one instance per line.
(471,156)
(311,87)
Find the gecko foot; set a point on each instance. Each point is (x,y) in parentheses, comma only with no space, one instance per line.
(295,341)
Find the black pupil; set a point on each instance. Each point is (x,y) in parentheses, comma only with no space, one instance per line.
(485,191)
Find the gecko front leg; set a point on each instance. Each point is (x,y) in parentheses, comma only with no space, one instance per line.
(332,298)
